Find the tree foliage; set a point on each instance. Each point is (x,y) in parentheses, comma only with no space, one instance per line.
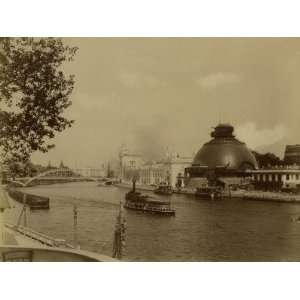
(267,159)
(34,93)
(21,169)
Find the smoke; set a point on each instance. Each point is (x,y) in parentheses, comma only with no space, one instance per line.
(217,79)
(151,140)
(257,138)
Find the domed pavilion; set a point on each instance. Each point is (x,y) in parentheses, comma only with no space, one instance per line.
(224,157)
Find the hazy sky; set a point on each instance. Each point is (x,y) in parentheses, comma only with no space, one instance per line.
(151,93)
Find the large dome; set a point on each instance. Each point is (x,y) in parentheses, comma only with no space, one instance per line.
(225,150)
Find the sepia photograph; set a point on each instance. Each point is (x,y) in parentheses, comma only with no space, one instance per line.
(149,149)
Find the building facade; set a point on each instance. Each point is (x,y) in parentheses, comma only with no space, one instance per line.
(152,174)
(292,155)
(175,169)
(277,178)
(169,170)
(91,172)
(130,164)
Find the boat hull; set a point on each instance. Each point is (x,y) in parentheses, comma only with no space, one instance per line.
(210,196)
(170,212)
(163,193)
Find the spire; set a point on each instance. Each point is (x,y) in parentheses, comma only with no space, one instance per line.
(61,165)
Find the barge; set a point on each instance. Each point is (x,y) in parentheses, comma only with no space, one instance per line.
(32,201)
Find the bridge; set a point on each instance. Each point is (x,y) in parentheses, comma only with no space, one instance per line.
(61,175)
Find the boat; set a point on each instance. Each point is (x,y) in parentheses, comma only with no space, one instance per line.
(32,201)
(209,192)
(23,244)
(106,183)
(164,189)
(136,201)
(136,196)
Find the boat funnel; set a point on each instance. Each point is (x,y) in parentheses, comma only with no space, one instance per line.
(133,184)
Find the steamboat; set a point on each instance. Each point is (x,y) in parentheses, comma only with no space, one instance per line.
(136,201)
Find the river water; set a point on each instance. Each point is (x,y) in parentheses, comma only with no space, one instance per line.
(202,230)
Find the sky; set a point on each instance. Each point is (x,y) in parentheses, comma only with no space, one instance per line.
(153,94)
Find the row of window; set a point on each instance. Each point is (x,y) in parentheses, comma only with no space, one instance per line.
(276,177)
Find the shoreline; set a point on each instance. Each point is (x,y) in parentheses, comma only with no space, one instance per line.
(271,196)
(138,187)
(244,195)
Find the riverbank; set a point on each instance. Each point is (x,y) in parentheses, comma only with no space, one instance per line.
(271,196)
(138,187)
(152,188)
(243,194)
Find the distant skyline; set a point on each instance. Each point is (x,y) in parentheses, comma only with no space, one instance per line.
(154,93)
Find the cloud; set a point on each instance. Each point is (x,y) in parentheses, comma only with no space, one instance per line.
(256,138)
(138,80)
(217,79)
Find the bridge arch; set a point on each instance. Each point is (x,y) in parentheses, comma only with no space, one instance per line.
(56,174)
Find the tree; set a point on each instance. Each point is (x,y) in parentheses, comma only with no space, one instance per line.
(34,93)
(14,169)
(267,159)
(21,169)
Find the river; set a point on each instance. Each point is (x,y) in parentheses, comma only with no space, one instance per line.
(202,230)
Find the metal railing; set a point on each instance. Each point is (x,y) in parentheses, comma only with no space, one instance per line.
(39,237)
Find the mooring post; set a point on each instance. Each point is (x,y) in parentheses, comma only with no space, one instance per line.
(119,235)
(24,208)
(75,237)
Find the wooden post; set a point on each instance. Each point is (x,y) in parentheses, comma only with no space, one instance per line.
(24,208)
(75,237)
(2,231)
(119,235)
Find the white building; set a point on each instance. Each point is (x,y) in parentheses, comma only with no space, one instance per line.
(169,170)
(91,171)
(175,166)
(153,173)
(277,178)
(130,164)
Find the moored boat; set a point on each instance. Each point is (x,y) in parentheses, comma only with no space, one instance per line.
(106,183)
(164,189)
(209,192)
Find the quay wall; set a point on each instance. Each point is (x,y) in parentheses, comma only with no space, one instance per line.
(245,195)
(271,196)
(138,186)
(152,188)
